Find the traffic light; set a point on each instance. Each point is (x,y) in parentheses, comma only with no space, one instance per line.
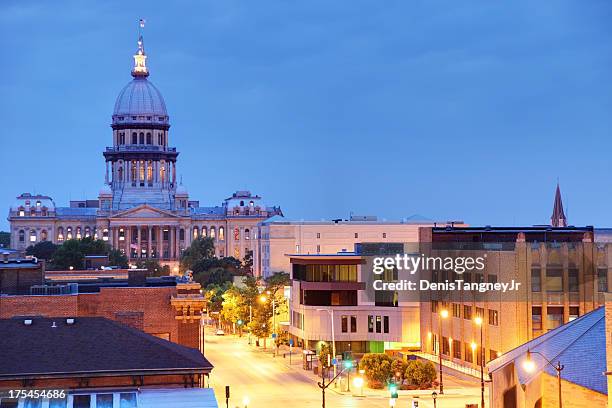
(393,390)
(348,364)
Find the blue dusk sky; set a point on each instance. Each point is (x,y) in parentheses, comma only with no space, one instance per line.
(449,109)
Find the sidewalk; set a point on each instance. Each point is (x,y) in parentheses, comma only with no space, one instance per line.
(282,358)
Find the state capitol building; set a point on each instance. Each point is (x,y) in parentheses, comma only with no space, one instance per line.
(142,209)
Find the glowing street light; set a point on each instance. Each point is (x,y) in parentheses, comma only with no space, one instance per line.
(358,383)
(246,401)
(530,366)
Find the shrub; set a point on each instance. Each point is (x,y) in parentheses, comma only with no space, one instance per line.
(398,369)
(420,373)
(377,368)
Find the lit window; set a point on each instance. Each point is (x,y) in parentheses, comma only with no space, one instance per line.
(247,234)
(21,236)
(21,213)
(221,233)
(38,203)
(32,236)
(105,234)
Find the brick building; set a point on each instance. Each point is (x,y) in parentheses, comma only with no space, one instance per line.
(92,361)
(167,307)
(563,275)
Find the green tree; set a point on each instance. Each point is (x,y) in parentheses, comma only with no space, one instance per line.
(69,254)
(398,370)
(200,249)
(260,326)
(377,368)
(420,373)
(5,239)
(117,258)
(233,307)
(153,267)
(247,262)
(42,250)
(325,356)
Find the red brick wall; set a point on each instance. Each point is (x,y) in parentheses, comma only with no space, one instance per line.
(148,309)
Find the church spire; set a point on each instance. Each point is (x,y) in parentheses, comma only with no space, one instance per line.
(558,216)
(140,58)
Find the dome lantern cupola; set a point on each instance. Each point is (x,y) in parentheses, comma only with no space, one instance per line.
(140,58)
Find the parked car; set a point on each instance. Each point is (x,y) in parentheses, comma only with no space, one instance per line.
(220,333)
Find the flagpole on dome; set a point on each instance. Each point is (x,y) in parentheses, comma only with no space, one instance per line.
(140,58)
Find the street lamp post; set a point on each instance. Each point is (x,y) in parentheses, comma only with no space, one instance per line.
(250,320)
(434,396)
(331,314)
(442,315)
(529,366)
(478,321)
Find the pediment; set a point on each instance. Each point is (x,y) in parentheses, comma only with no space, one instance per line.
(144,211)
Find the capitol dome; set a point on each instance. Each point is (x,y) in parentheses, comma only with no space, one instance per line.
(140,97)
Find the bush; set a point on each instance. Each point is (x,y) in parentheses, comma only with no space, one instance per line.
(420,373)
(377,368)
(398,369)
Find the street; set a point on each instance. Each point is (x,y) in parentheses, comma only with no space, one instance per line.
(270,382)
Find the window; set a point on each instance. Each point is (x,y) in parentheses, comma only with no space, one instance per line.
(493,355)
(456,349)
(58,403)
(38,203)
(134,138)
(434,306)
(554,279)
(356,235)
(536,280)
(195,233)
(378,324)
(467,312)
(21,212)
(478,353)
(212,232)
(456,310)
(182,234)
(602,279)
(370,324)
(149,139)
(87,232)
(554,317)
(204,232)
(445,346)
(32,236)
(493,317)
(43,235)
(344,320)
(318,235)
(221,233)
(384,235)
(353,324)
(318,249)
(127,400)
(60,234)
(386,324)
(468,352)
(536,317)
(81,401)
(574,313)
(480,312)
(236,234)
(104,400)
(78,233)
(247,234)
(142,138)
(32,403)
(572,279)
(21,236)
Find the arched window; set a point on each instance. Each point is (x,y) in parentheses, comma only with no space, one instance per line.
(241,203)
(120,172)
(21,236)
(87,232)
(68,232)
(60,234)
(142,140)
(32,212)
(78,233)
(196,233)
(149,138)
(251,203)
(38,203)
(134,138)
(247,234)
(150,172)
(32,235)
(236,234)
(134,172)
(105,234)
(182,234)
(204,232)
(43,235)
(21,212)
(221,234)
(162,172)
(122,138)
(212,232)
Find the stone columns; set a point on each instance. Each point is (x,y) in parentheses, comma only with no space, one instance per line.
(128,241)
(178,243)
(138,173)
(171,243)
(160,243)
(149,239)
(139,242)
